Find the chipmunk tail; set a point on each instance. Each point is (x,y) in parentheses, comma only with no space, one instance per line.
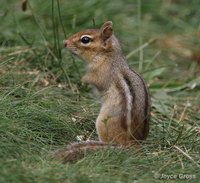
(76,151)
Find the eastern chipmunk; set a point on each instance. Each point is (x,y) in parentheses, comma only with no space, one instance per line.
(125,111)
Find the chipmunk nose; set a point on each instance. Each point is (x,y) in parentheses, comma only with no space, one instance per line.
(65,43)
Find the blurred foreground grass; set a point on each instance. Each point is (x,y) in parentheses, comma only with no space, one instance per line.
(43,105)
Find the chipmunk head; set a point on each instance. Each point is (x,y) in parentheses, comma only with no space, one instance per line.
(93,44)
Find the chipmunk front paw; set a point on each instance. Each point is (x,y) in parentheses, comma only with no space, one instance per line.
(85,79)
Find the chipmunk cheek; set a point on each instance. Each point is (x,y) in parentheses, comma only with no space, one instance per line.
(85,56)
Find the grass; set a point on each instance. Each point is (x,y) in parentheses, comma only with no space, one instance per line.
(44,106)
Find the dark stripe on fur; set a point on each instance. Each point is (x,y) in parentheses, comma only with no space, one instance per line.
(128,82)
(146,110)
(124,103)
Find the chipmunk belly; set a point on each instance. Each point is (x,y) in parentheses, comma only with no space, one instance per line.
(111,117)
(110,109)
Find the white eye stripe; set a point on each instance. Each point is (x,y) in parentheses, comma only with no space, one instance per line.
(86,36)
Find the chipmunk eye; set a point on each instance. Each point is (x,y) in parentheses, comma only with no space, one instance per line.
(85,39)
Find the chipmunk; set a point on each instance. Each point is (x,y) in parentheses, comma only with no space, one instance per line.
(125,111)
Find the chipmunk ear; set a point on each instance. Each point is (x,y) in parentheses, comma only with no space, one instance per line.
(106,30)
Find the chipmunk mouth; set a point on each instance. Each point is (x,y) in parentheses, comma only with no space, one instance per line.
(72,49)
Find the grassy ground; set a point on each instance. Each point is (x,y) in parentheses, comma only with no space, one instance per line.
(43,105)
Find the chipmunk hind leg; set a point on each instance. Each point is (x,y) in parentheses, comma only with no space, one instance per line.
(139,128)
(111,130)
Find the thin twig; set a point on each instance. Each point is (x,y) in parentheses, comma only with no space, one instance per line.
(152,40)
(53,23)
(5,62)
(57,53)
(59,14)
(140,35)
(63,70)
(187,155)
(37,22)
(181,162)
(16,53)
(183,112)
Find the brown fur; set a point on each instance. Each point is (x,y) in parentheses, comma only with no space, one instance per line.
(125,112)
